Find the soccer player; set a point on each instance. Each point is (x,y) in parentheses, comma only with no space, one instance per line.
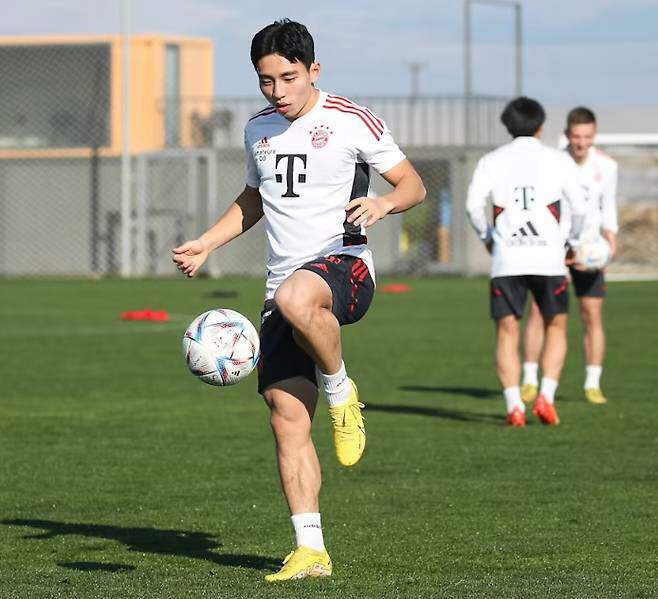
(598,178)
(527,182)
(309,155)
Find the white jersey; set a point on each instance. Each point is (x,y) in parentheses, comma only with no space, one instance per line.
(528,183)
(598,179)
(307,171)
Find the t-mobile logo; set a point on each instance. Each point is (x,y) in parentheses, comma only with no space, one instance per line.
(290,173)
(524,195)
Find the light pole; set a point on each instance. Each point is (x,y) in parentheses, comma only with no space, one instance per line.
(126,178)
(414,68)
(518,43)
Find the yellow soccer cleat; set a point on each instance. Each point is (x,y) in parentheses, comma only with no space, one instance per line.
(303,562)
(349,429)
(595,396)
(529,392)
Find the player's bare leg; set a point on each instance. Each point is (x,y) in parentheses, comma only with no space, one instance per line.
(292,405)
(555,346)
(591,310)
(555,351)
(508,367)
(533,341)
(305,301)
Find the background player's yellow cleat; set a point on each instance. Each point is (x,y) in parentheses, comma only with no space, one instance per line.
(529,392)
(303,562)
(595,396)
(349,429)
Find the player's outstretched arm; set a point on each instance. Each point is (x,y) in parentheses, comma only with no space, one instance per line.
(408,191)
(611,237)
(241,215)
(609,224)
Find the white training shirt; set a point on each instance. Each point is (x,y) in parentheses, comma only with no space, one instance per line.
(598,179)
(307,171)
(528,182)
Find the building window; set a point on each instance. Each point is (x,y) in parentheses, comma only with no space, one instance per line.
(172,95)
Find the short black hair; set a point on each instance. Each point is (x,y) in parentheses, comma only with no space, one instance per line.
(523,117)
(580,116)
(286,38)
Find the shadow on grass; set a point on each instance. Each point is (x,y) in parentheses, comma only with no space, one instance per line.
(474,392)
(462,415)
(197,545)
(222,293)
(96,566)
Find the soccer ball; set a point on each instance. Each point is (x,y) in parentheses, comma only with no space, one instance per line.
(221,347)
(593,254)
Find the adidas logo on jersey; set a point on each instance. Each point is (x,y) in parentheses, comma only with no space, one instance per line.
(526,230)
(526,235)
(263,143)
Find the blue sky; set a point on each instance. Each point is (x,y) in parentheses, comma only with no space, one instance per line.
(602,53)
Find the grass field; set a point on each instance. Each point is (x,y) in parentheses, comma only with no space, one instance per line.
(123,477)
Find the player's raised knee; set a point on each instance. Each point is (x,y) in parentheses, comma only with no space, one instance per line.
(295,303)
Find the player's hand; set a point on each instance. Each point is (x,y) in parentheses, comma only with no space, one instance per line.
(570,260)
(366,211)
(189,257)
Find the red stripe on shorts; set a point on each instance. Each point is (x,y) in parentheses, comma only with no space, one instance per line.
(359,273)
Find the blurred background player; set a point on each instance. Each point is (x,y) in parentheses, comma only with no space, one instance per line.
(526,181)
(598,179)
(308,159)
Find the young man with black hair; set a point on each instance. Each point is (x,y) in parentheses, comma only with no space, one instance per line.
(598,178)
(308,160)
(527,182)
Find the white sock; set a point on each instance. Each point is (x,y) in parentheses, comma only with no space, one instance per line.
(337,386)
(530,373)
(308,530)
(513,399)
(592,376)
(548,387)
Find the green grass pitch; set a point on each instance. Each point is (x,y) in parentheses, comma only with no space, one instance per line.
(123,476)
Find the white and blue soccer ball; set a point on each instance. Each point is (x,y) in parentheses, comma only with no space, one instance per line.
(221,347)
(593,253)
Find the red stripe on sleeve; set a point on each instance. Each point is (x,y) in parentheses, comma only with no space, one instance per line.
(367,124)
(372,114)
(366,114)
(263,112)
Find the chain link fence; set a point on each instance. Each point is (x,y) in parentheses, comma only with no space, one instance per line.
(60,175)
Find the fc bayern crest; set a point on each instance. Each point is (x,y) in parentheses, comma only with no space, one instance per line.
(320,136)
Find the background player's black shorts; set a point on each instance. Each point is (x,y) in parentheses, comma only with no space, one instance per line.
(588,283)
(509,294)
(352,291)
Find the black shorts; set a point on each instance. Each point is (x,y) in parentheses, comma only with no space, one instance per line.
(352,291)
(588,283)
(509,294)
